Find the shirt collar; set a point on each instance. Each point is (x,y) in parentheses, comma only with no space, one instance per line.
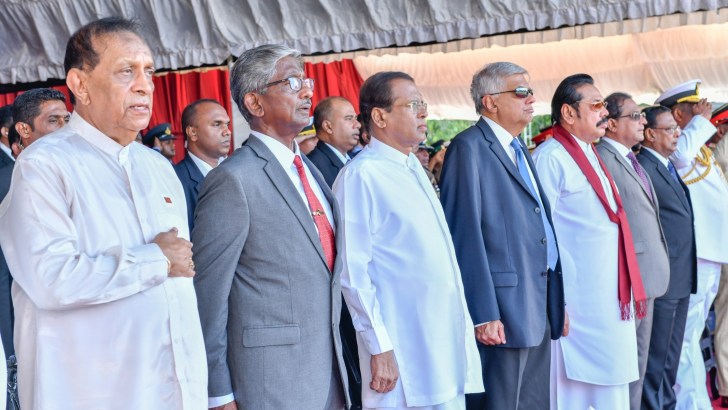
(282,153)
(343,158)
(657,155)
(388,152)
(621,149)
(97,138)
(203,166)
(504,137)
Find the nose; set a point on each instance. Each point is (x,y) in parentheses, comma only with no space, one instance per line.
(357,124)
(143,83)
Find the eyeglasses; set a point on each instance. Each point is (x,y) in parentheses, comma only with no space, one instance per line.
(634,116)
(671,130)
(595,106)
(521,92)
(416,107)
(296,83)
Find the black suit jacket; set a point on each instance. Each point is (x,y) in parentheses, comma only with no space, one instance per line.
(676,218)
(499,238)
(7,316)
(5,159)
(191,178)
(326,161)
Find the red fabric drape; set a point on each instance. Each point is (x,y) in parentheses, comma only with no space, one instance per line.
(335,78)
(8,98)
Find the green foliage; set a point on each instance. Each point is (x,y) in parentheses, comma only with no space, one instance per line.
(445,130)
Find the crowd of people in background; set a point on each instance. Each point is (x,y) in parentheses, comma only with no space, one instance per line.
(340,262)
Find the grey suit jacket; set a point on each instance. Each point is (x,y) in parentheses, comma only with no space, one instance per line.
(644,221)
(269,306)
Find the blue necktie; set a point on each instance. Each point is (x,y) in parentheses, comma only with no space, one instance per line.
(552,253)
(671,168)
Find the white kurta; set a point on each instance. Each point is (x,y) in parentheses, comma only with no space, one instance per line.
(98,324)
(401,281)
(601,348)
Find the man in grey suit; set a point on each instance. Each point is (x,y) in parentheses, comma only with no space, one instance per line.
(676,217)
(265,239)
(625,129)
(505,244)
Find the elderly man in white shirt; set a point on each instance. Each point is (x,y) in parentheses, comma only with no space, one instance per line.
(104,302)
(401,279)
(594,365)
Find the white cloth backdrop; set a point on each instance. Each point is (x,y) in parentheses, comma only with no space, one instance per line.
(190,33)
(644,62)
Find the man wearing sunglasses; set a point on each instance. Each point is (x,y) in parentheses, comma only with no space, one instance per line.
(697,167)
(625,129)
(505,244)
(594,365)
(266,236)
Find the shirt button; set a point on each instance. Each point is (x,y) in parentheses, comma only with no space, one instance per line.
(537,210)
(543,241)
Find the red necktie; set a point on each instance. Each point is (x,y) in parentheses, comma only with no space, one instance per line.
(326,234)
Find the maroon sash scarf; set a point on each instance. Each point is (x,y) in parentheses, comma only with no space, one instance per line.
(629,277)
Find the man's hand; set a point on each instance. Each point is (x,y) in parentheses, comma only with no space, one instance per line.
(178,251)
(385,372)
(704,108)
(566,323)
(491,333)
(229,406)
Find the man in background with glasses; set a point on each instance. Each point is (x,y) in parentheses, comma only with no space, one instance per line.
(401,279)
(696,165)
(594,365)
(625,129)
(676,218)
(501,226)
(267,237)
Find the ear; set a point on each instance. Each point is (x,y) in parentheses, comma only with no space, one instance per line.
(23,129)
(649,135)
(379,117)
(489,103)
(76,81)
(612,124)
(4,131)
(191,133)
(326,125)
(253,104)
(16,149)
(567,113)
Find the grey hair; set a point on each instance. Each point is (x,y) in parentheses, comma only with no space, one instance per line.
(254,69)
(491,79)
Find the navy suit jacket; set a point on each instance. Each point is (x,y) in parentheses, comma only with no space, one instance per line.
(499,239)
(5,159)
(676,217)
(326,161)
(191,178)
(7,317)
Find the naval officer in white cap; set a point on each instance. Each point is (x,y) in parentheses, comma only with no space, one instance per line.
(695,164)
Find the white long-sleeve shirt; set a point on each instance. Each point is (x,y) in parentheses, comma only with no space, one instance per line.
(401,280)
(98,322)
(708,195)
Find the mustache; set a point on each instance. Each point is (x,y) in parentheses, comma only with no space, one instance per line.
(603,121)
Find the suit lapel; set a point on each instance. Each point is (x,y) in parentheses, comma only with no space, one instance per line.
(501,154)
(194,172)
(629,168)
(280,180)
(667,177)
(326,150)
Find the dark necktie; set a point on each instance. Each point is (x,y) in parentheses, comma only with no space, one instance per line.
(552,253)
(325,232)
(640,173)
(673,172)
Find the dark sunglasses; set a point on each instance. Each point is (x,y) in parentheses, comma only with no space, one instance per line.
(520,92)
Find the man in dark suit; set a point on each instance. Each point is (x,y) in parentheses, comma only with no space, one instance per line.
(6,122)
(266,233)
(337,129)
(505,244)
(625,129)
(36,112)
(206,129)
(676,217)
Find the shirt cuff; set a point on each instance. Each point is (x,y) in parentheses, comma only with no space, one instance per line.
(153,263)
(219,401)
(482,324)
(377,340)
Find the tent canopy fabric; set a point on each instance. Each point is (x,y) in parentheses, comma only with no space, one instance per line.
(191,33)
